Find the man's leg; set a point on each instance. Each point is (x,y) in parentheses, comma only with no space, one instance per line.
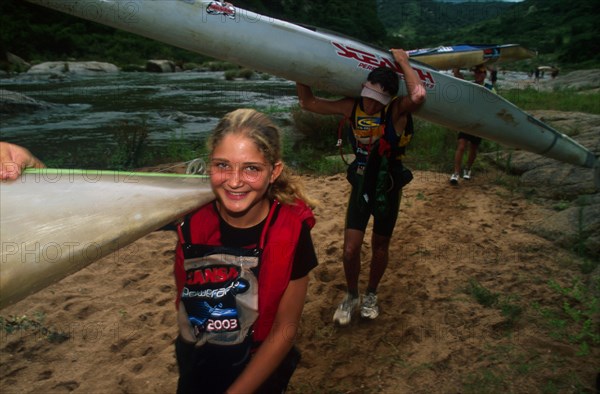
(472,154)
(379,260)
(458,158)
(353,240)
(470,160)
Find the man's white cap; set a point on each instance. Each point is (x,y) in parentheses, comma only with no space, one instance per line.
(375,92)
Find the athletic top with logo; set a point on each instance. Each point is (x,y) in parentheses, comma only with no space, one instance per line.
(368,129)
(230,281)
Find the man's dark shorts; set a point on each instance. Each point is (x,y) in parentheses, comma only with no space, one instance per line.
(471,138)
(358,215)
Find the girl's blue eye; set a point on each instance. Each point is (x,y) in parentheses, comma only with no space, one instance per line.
(249,172)
(220,165)
(252,172)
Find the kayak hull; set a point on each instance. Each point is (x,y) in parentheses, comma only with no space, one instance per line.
(55,222)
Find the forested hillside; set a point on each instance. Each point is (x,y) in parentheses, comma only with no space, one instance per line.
(564,32)
(417,23)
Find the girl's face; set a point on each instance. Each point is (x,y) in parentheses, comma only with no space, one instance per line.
(240,176)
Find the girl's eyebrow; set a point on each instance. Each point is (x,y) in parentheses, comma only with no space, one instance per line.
(244,163)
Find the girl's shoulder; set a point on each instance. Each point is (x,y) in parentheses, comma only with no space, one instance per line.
(300,211)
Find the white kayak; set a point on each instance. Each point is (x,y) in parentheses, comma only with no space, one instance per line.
(323,60)
(55,222)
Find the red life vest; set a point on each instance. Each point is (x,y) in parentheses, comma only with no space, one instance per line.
(280,243)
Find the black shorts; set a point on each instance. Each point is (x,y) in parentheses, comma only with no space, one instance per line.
(358,214)
(471,138)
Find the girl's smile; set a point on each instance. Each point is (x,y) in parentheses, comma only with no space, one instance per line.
(240,178)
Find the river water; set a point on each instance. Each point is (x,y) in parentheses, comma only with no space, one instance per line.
(90,116)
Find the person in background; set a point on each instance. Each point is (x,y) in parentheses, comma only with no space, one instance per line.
(469,140)
(242,264)
(493,76)
(457,73)
(14,159)
(381,129)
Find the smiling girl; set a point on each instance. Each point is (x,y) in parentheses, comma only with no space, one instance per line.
(242,265)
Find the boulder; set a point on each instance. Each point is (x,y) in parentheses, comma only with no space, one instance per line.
(579,80)
(78,68)
(160,66)
(11,63)
(576,227)
(573,189)
(13,102)
(16,60)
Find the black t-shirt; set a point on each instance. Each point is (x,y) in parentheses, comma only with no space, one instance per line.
(305,258)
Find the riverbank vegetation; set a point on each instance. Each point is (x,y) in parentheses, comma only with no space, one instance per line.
(310,139)
(559,100)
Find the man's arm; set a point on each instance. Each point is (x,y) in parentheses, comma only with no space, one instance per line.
(318,105)
(416,91)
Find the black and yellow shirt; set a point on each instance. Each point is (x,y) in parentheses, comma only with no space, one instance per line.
(368,129)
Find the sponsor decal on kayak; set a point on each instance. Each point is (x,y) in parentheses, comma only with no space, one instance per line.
(369,61)
(221,8)
(491,53)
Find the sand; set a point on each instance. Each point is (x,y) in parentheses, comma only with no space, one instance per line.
(110,327)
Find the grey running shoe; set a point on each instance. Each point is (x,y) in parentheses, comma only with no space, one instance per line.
(454,179)
(369,308)
(467,174)
(343,314)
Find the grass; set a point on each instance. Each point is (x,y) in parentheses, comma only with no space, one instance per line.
(178,149)
(512,369)
(506,304)
(482,295)
(24,324)
(131,145)
(575,318)
(484,381)
(560,100)
(432,147)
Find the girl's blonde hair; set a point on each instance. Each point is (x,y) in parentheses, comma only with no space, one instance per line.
(267,138)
